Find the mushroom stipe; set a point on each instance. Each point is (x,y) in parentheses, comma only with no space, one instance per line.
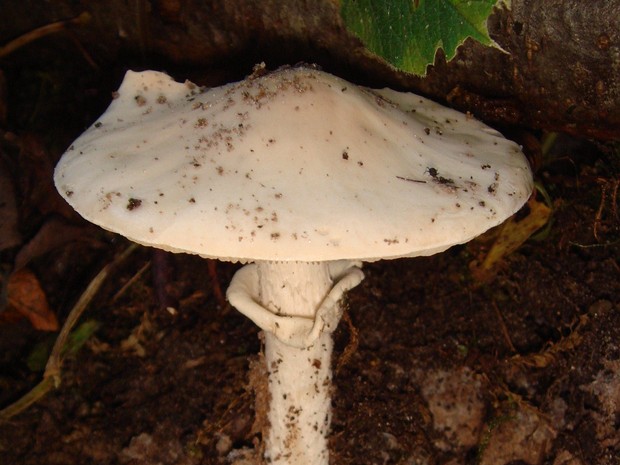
(303,176)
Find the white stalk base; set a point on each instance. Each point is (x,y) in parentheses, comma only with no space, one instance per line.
(300,402)
(297,306)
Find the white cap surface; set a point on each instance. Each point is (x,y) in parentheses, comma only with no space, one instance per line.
(293,165)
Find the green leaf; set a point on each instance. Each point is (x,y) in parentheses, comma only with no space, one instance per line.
(408,33)
(79,336)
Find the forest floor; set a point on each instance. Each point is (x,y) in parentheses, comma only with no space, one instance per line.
(432,366)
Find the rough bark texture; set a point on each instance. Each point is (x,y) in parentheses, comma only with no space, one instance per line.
(561,71)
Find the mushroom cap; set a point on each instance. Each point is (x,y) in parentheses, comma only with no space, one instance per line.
(296,164)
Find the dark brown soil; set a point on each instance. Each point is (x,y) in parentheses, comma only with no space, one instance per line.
(525,369)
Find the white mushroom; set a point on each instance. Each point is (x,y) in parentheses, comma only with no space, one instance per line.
(305,175)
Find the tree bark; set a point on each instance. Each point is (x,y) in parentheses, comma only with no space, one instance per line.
(560,71)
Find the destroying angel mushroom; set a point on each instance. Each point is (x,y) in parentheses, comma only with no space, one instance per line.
(304,175)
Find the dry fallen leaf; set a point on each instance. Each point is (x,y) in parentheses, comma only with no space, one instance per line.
(26,297)
(35,167)
(56,231)
(510,236)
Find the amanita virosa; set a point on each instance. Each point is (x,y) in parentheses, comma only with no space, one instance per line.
(303,176)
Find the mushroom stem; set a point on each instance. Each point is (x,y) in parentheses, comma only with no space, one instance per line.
(299,378)
(300,403)
(299,309)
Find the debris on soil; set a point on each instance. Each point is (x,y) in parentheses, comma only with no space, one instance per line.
(519,435)
(454,399)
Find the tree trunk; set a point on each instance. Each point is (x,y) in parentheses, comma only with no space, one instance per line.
(560,72)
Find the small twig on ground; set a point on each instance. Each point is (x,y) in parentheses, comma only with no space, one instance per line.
(504,328)
(162,273)
(42,31)
(215,284)
(131,282)
(549,355)
(614,209)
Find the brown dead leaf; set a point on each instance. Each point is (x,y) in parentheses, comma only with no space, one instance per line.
(36,184)
(510,236)
(55,232)
(543,358)
(26,297)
